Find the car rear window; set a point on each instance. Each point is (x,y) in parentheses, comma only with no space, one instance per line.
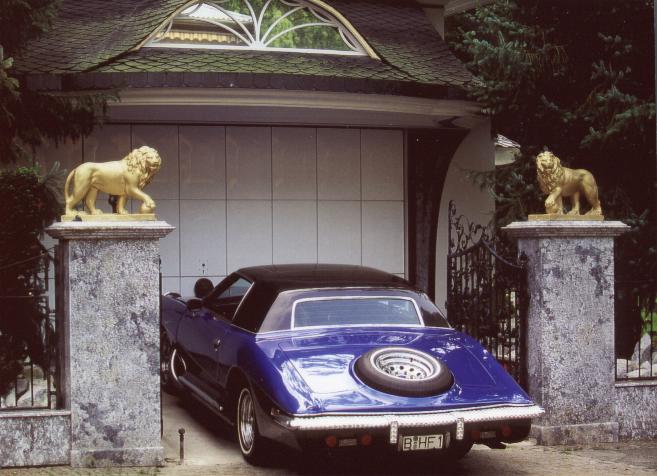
(322,312)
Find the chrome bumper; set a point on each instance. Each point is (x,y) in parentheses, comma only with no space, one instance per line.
(395,421)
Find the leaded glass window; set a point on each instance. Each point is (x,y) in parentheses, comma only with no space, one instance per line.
(282,25)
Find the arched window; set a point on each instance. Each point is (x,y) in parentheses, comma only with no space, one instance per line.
(279,25)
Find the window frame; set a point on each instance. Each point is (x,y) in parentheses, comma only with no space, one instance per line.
(345,29)
(221,288)
(418,312)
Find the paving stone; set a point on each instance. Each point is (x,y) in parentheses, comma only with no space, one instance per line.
(520,459)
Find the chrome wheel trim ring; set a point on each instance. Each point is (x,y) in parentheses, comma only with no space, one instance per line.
(165,358)
(246,421)
(405,364)
(175,358)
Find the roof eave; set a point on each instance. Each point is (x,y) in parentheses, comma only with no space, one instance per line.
(78,82)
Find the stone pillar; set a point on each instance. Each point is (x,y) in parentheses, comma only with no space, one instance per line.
(570,328)
(111,340)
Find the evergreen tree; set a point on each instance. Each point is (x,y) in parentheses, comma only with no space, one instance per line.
(577,78)
(29,202)
(28,118)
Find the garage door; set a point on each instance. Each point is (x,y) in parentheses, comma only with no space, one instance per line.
(241,196)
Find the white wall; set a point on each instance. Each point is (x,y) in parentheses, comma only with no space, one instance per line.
(246,195)
(476,152)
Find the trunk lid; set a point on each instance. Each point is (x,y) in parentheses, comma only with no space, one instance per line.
(324,359)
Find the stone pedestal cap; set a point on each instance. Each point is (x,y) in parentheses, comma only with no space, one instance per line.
(130,230)
(572,229)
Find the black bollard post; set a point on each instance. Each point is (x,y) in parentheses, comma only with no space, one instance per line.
(181,432)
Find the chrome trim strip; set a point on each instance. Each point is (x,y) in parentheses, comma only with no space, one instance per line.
(444,418)
(316,331)
(359,297)
(352,326)
(354,288)
(205,399)
(239,306)
(426,412)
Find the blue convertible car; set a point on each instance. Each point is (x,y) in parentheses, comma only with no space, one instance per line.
(335,356)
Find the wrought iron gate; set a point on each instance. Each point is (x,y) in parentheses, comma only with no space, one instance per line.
(486,292)
(27,332)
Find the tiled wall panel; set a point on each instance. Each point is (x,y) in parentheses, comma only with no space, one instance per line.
(338,164)
(202,162)
(249,233)
(294,163)
(383,235)
(243,196)
(382,164)
(295,231)
(339,232)
(202,237)
(248,163)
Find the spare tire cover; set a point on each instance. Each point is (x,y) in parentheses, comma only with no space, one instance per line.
(403,371)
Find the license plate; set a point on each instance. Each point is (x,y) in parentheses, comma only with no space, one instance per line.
(420,442)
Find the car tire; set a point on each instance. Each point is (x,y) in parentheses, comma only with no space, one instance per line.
(172,365)
(165,358)
(252,445)
(403,371)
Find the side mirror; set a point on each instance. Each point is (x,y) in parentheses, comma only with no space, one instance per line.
(194,304)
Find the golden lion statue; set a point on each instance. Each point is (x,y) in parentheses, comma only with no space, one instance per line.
(122,178)
(559,182)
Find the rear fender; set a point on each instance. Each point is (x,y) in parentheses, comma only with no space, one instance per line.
(172,311)
(264,406)
(278,379)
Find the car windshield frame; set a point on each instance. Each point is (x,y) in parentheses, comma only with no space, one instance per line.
(222,287)
(416,307)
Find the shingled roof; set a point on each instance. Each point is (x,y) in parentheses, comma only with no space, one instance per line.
(92,45)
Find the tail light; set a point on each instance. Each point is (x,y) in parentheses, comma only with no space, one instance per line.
(365,440)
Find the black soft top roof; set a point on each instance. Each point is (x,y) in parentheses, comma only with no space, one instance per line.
(269,281)
(308,276)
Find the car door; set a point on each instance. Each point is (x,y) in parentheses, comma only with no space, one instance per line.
(194,342)
(223,305)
